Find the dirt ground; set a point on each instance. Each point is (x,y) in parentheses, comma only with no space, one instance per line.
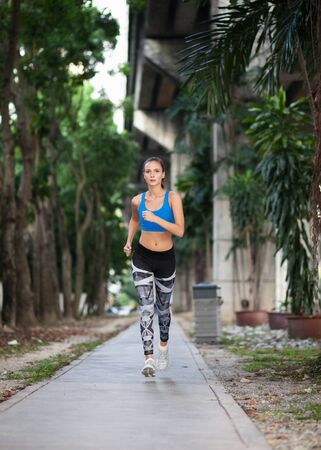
(282,408)
(22,348)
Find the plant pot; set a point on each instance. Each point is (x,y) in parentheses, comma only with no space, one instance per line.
(304,327)
(278,320)
(251,318)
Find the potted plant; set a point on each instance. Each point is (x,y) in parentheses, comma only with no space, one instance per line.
(281,135)
(246,194)
(278,316)
(279,320)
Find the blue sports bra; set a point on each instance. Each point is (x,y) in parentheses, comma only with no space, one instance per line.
(165,212)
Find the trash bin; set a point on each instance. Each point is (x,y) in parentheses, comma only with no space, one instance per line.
(207,312)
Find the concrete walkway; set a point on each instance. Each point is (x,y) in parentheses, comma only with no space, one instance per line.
(101,401)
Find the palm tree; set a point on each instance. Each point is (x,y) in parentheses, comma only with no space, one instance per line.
(288,33)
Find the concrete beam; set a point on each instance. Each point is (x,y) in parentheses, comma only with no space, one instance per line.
(170,18)
(157,79)
(165,55)
(157,126)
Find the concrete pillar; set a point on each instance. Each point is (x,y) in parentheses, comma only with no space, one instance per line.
(223,272)
(232,273)
(280,281)
(183,286)
(179,162)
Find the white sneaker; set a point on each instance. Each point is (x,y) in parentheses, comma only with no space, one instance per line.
(149,368)
(162,359)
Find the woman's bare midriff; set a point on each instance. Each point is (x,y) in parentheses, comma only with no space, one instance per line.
(156,241)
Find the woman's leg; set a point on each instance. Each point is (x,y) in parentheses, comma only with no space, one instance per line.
(164,291)
(143,280)
(164,271)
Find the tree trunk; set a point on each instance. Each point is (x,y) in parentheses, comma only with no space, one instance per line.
(9,226)
(66,260)
(91,288)
(81,230)
(49,292)
(104,272)
(36,266)
(98,259)
(29,147)
(25,307)
(9,222)
(95,300)
(50,230)
(66,263)
(80,265)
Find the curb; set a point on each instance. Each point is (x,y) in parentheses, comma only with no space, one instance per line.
(249,434)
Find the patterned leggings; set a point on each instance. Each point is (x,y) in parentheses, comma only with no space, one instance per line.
(151,267)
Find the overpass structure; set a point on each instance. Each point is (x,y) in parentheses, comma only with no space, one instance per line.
(155,38)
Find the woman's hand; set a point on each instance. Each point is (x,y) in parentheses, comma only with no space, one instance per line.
(149,216)
(127,248)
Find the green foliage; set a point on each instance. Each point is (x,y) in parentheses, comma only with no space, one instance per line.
(57,34)
(109,159)
(128,107)
(246,195)
(110,155)
(60,44)
(40,186)
(128,294)
(218,57)
(196,181)
(281,135)
(125,69)
(279,37)
(137,6)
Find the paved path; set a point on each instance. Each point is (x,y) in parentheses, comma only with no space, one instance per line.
(101,401)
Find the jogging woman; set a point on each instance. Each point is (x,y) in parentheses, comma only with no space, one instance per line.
(160,214)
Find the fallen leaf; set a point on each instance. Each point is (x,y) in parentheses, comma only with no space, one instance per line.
(283,437)
(245,380)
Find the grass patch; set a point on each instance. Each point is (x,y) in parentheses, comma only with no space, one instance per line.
(277,364)
(225,340)
(40,370)
(255,367)
(307,412)
(299,353)
(267,358)
(83,347)
(47,367)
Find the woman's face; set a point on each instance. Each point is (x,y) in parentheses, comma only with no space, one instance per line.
(153,173)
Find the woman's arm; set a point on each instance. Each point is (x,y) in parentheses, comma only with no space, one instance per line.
(176,228)
(132,226)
